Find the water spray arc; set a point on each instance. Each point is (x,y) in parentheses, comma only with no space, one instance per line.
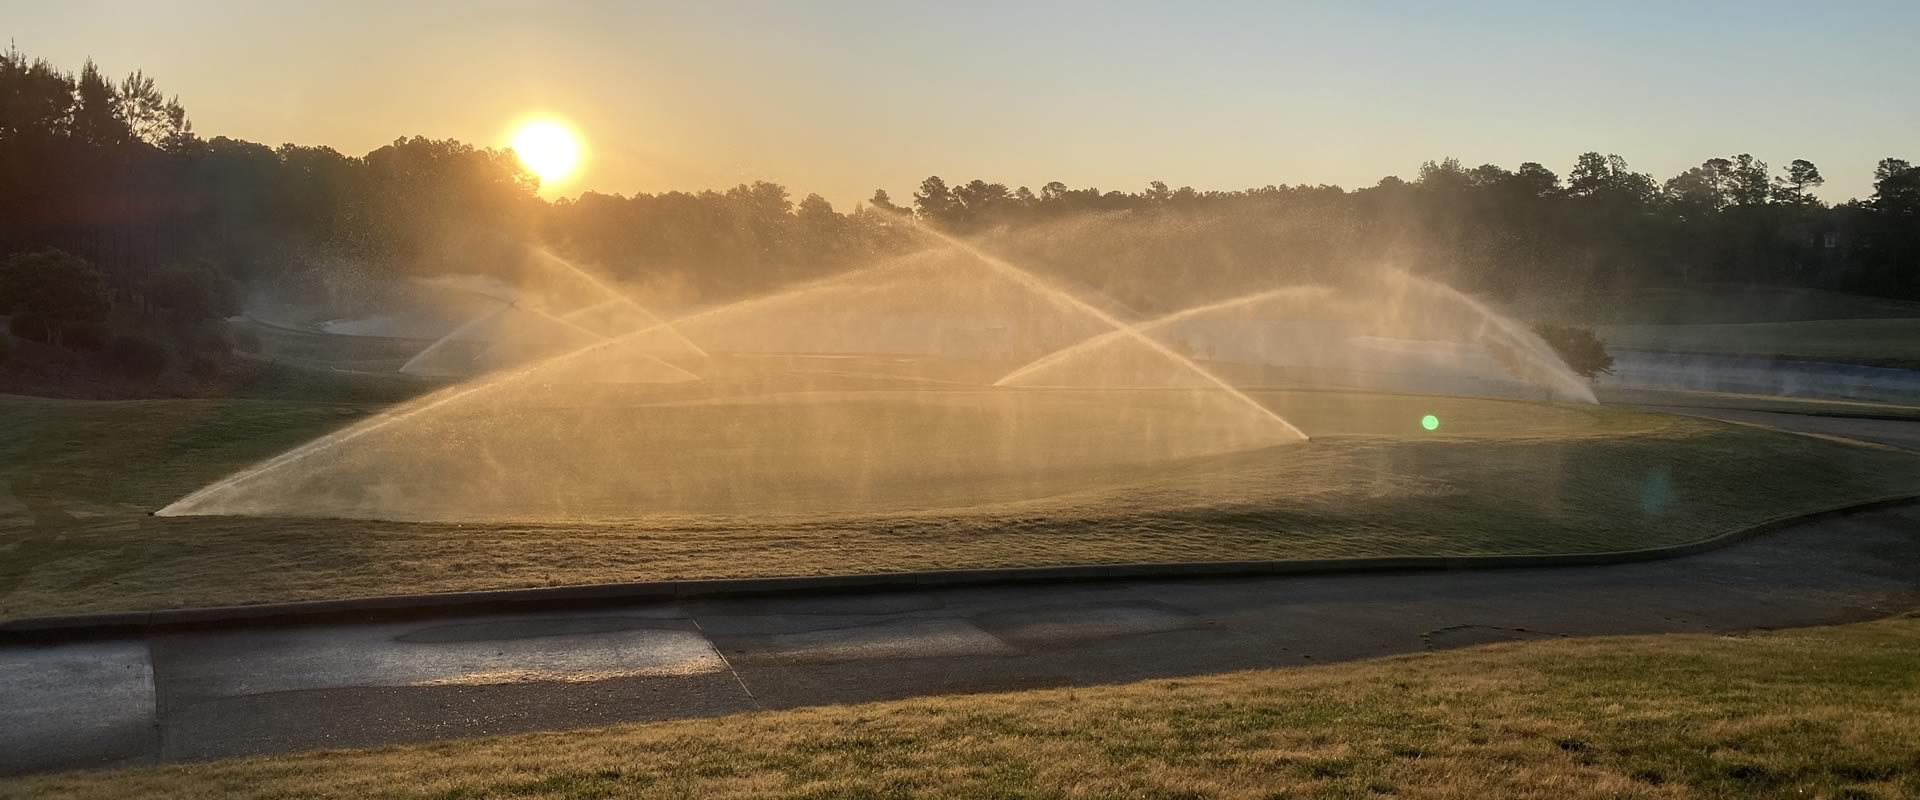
(1067,354)
(615,295)
(1121,327)
(552,437)
(1400,304)
(1533,352)
(413,365)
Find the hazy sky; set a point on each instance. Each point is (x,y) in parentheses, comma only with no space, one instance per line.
(841,98)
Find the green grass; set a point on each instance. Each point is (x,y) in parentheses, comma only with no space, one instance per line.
(1755,402)
(1498,477)
(1810,324)
(1881,342)
(1713,305)
(1821,712)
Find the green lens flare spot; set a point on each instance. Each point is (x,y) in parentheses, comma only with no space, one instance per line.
(1430,422)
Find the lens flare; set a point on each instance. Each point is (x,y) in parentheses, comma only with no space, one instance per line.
(1430,422)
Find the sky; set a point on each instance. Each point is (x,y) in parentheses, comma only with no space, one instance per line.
(841,98)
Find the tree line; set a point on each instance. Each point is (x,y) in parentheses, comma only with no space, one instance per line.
(157,229)
(1729,220)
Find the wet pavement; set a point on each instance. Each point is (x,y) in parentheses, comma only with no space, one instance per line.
(207,694)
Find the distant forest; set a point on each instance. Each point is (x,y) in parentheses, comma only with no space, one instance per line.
(111,174)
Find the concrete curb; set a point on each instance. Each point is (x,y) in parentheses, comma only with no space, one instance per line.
(363,609)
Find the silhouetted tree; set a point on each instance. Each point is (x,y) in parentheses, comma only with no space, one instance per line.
(115,175)
(1582,351)
(883,202)
(935,201)
(51,294)
(1747,182)
(1795,187)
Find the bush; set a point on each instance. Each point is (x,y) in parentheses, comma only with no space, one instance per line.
(135,355)
(1583,351)
(51,293)
(209,339)
(85,336)
(37,327)
(29,326)
(189,294)
(246,340)
(205,367)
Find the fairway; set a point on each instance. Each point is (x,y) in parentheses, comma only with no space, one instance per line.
(1710,304)
(1888,342)
(1809,324)
(1492,477)
(1821,712)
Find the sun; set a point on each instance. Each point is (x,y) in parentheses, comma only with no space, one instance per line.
(548,147)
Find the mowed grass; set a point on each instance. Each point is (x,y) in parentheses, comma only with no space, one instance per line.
(1755,402)
(1819,712)
(1714,305)
(1810,324)
(1879,342)
(1498,477)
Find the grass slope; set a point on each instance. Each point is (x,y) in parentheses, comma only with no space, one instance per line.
(1810,324)
(1822,712)
(1756,402)
(1876,342)
(1499,477)
(1711,304)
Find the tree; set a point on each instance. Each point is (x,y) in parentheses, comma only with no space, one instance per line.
(883,202)
(1747,182)
(52,293)
(1537,180)
(191,295)
(96,114)
(1891,247)
(1590,176)
(1896,188)
(1607,177)
(151,117)
(982,202)
(1583,352)
(1487,175)
(1702,190)
(1445,174)
(935,202)
(36,100)
(1795,188)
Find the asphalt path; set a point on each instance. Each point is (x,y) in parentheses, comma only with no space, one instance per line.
(215,693)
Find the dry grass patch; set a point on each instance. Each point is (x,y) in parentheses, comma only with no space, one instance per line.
(1826,712)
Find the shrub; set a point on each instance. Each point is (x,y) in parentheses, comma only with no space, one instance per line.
(204,367)
(209,339)
(29,326)
(37,327)
(136,355)
(85,336)
(52,292)
(246,340)
(1583,351)
(190,293)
